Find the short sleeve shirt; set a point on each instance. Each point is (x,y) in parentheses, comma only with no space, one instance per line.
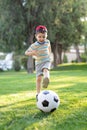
(43,53)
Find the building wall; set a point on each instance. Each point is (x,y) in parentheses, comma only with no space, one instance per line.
(71,54)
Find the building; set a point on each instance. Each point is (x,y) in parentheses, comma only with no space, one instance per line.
(71,53)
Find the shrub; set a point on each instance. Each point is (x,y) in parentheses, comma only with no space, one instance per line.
(16,65)
(74,61)
(84,57)
(24,61)
(1,70)
(65,60)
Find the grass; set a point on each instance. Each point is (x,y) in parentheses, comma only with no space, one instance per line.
(18,109)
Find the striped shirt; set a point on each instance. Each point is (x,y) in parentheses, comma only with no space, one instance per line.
(43,53)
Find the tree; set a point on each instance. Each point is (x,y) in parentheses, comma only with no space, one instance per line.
(11,26)
(62,24)
(78,11)
(68,26)
(20,17)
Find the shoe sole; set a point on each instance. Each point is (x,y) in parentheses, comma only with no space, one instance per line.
(45,82)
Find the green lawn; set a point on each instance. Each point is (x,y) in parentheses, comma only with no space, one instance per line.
(18,109)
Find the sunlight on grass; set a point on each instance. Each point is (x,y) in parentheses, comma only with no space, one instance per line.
(61,86)
(14,98)
(18,109)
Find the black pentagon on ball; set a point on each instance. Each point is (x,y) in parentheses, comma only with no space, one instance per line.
(53,109)
(55,99)
(46,92)
(45,103)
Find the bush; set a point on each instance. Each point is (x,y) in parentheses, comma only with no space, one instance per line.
(1,70)
(24,61)
(84,57)
(16,65)
(65,60)
(74,61)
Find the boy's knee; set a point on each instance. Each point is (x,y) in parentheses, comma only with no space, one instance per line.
(45,70)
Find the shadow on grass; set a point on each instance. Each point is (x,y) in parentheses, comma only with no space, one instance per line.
(20,117)
(25,115)
(18,89)
(30,118)
(70,67)
(12,104)
(71,88)
(14,83)
(76,120)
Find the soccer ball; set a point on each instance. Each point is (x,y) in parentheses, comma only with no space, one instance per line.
(48,101)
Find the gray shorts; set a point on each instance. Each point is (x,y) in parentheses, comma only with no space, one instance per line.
(40,67)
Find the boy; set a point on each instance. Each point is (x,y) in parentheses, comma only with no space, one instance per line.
(41,50)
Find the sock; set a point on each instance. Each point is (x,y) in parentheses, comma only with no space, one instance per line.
(46,74)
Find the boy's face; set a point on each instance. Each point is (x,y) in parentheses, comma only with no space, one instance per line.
(41,37)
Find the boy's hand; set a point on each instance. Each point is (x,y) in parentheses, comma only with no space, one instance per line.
(34,53)
(31,53)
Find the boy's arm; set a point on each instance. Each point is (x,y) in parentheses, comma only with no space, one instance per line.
(30,53)
(49,48)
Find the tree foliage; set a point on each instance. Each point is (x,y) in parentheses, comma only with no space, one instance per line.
(12,26)
(62,18)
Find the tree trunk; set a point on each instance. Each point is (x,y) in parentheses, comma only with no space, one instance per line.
(54,50)
(30,62)
(77,53)
(30,65)
(85,48)
(59,53)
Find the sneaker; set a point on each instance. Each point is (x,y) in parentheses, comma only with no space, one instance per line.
(45,82)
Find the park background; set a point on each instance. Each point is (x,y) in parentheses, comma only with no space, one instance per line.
(66,22)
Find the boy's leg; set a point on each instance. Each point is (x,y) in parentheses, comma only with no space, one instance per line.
(46,73)
(38,83)
(45,78)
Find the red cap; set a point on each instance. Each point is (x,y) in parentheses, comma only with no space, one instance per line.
(41,29)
